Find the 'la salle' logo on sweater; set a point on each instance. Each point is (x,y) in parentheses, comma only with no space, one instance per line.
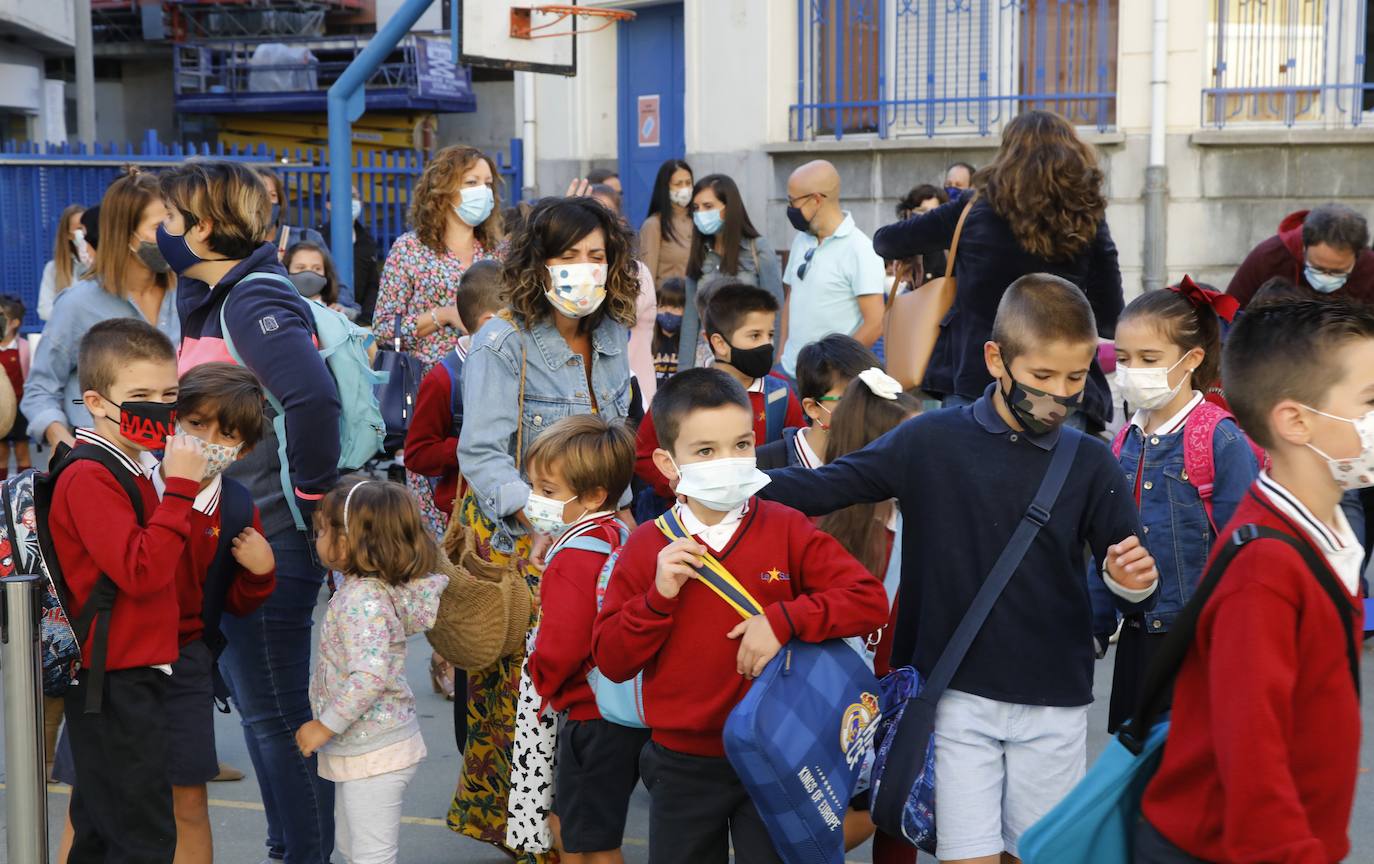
(775,575)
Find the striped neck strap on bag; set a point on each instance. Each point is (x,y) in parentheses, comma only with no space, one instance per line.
(713,574)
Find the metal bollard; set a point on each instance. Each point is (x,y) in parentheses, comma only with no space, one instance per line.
(26,789)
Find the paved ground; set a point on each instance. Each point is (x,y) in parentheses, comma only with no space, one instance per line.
(239,826)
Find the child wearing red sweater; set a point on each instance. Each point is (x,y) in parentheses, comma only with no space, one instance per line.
(578,469)
(697,657)
(739,323)
(431,447)
(121,805)
(1260,763)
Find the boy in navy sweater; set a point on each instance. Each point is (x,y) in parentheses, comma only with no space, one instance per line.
(697,657)
(1264,744)
(1010,733)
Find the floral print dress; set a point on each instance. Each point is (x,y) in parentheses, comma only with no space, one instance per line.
(415,280)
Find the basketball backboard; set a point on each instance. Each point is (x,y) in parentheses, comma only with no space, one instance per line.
(484,37)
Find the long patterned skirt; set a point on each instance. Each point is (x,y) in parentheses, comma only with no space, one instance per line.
(479,804)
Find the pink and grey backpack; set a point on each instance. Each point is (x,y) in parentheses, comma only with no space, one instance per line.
(1199,468)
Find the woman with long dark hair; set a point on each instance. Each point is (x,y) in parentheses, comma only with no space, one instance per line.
(1038,208)
(725,245)
(665,238)
(571,285)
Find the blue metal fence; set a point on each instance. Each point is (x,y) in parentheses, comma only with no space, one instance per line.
(38,181)
(1288,61)
(943,67)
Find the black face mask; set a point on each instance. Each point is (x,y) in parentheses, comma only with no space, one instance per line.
(147,424)
(754,362)
(798,219)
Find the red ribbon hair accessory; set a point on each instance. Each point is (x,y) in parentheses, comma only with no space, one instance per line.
(1224,305)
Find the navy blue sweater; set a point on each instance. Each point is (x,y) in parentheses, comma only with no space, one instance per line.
(990,259)
(964,480)
(274,332)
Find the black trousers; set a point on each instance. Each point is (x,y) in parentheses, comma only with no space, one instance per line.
(697,806)
(121,807)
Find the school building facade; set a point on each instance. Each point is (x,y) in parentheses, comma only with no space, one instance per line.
(1264,104)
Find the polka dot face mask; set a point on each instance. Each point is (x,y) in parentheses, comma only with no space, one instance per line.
(578,289)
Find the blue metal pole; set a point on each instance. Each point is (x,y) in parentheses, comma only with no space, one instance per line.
(346,104)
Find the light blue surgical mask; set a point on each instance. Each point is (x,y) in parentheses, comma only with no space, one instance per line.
(708,222)
(1324,282)
(356,209)
(478,202)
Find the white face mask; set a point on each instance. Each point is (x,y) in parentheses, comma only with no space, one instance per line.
(578,289)
(681,197)
(546,514)
(1148,388)
(217,456)
(1357,472)
(720,484)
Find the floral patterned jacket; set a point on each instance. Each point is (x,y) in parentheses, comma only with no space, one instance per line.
(358,688)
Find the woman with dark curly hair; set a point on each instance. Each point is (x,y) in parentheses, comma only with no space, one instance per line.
(571,283)
(1038,208)
(455,211)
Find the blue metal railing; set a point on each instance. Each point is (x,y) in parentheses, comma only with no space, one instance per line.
(1287,61)
(949,67)
(38,181)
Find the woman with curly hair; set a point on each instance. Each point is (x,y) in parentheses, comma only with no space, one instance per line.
(455,211)
(1038,208)
(571,283)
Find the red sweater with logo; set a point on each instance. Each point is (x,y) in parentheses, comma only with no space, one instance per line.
(646,439)
(563,649)
(1261,760)
(809,586)
(94,530)
(431,448)
(247,592)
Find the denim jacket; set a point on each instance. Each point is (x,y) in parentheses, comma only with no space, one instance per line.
(555,387)
(1177,532)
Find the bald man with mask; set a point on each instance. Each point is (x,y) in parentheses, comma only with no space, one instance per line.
(834,279)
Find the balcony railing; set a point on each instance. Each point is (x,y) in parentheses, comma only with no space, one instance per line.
(1288,62)
(951,67)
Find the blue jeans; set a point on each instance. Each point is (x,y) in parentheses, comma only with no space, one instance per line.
(267,668)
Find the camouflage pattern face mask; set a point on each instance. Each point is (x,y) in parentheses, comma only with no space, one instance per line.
(1039,412)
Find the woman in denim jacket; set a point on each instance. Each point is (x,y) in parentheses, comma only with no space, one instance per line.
(1168,351)
(571,283)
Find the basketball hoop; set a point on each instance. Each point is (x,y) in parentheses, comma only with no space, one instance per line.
(522,26)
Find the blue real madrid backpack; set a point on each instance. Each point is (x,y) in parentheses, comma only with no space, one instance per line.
(799,737)
(620,703)
(343,347)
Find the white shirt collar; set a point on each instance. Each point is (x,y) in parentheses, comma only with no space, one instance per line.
(716,536)
(1341,547)
(757,386)
(90,436)
(207,500)
(582,523)
(1174,423)
(463,346)
(808,457)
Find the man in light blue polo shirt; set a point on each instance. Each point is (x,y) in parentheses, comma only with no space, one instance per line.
(834,277)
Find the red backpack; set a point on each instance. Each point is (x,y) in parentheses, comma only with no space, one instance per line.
(1199,468)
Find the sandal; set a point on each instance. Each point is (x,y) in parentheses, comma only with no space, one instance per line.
(441,676)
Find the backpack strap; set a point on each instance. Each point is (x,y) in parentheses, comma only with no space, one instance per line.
(591,537)
(775,395)
(99,604)
(1120,440)
(912,735)
(453,364)
(235,514)
(1178,641)
(713,574)
(1199,462)
(279,419)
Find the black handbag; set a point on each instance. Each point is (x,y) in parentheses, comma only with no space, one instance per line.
(398,393)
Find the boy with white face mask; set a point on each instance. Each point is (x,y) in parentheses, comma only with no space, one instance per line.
(697,657)
(1264,740)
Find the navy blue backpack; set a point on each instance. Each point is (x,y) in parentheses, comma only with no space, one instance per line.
(827,700)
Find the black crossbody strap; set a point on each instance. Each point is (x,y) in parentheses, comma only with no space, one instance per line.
(907,756)
(1164,668)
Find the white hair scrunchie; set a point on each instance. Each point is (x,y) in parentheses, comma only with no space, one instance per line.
(881,384)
